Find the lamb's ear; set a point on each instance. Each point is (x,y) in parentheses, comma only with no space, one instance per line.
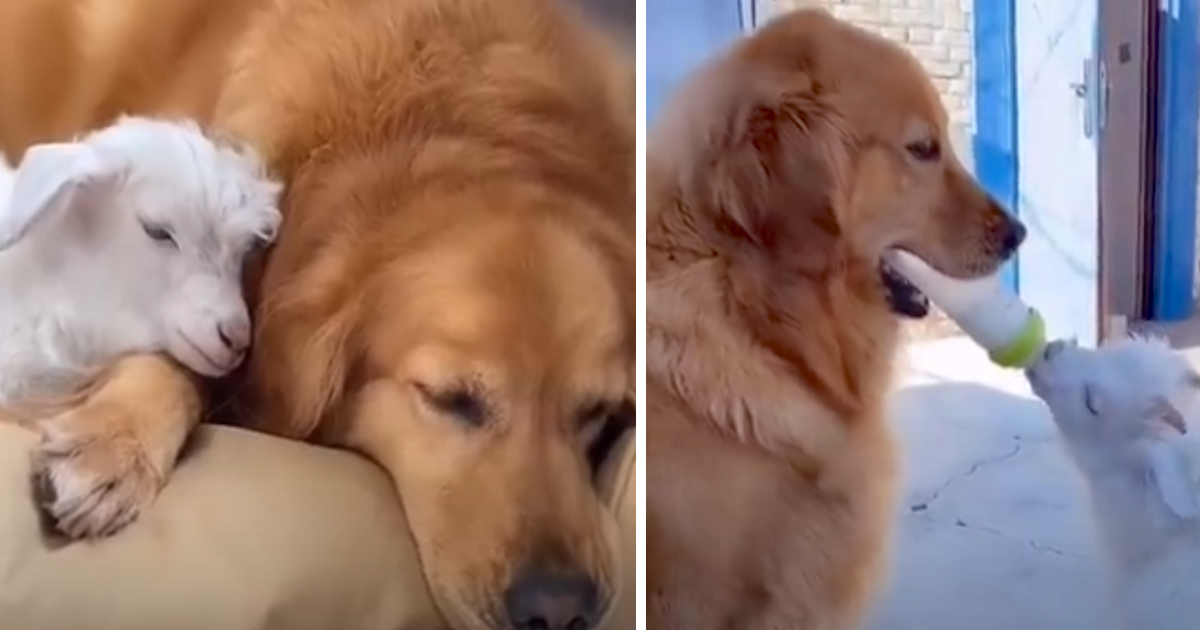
(777,170)
(1191,380)
(1167,416)
(1169,476)
(52,179)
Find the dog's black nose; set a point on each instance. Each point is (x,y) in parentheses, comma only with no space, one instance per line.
(540,600)
(1014,236)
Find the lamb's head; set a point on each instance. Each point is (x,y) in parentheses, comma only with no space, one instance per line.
(1117,394)
(171,215)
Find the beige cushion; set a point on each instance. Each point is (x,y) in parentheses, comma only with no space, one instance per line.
(253,533)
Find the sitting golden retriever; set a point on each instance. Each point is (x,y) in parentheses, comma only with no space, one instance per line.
(781,174)
(453,291)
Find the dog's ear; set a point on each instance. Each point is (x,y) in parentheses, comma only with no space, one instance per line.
(779,168)
(308,341)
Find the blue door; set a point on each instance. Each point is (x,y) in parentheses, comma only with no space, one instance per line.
(680,35)
(1173,241)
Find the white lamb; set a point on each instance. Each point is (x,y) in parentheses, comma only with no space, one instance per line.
(1121,411)
(131,239)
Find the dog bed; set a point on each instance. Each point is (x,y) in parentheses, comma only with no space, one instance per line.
(252,533)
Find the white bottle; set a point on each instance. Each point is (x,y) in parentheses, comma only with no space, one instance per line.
(1012,332)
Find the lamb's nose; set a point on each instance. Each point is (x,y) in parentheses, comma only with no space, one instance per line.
(1053,348)
(539,600)
(235,334)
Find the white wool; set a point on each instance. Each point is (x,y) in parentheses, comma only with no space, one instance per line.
(7,175)
(130,239)
(1122,412)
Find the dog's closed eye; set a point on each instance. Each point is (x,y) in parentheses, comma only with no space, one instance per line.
(925,150)
(459,402)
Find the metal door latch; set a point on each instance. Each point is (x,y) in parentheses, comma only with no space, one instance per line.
(1093,98)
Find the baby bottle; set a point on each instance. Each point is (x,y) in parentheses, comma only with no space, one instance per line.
(1012,332)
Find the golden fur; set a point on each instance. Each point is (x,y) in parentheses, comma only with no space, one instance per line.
(781,173)
(453,289)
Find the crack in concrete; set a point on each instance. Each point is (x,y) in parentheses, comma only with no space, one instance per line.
(1033,544)
(924,505)
(958,522)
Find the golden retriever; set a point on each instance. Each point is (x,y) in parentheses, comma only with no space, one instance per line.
(781,174)
(453,291)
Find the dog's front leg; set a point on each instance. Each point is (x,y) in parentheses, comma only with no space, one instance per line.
(99,464)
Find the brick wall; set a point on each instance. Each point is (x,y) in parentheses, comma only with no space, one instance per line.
(937,31)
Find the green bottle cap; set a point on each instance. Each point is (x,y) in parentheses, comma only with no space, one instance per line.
(1024,350)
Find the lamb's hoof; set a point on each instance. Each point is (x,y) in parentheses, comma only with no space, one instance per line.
(91,476)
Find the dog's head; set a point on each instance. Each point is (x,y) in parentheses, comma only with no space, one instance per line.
(480,347)
(829,146)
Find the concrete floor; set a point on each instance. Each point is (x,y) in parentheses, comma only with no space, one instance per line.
(993,533)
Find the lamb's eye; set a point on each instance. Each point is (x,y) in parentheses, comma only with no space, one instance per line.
(460,402)
(927,150)
(1089,401)
(159,234)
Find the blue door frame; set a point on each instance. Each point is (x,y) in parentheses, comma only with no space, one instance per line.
(1173,240)
(680,35)
(995,141)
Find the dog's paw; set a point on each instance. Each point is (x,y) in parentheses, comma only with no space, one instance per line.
(92,475)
